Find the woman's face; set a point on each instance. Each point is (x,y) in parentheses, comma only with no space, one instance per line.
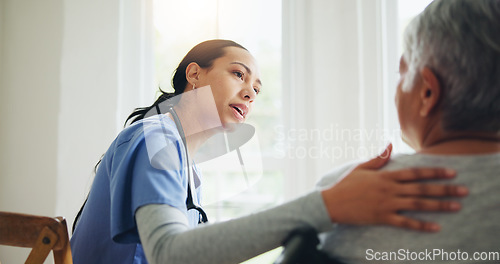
(235,82)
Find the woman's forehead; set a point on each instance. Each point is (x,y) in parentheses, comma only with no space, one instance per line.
(235,54)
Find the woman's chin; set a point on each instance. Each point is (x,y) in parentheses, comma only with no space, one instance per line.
(229,126)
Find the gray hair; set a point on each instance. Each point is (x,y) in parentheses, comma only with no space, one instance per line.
(459,40)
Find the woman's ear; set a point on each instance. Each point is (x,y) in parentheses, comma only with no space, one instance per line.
(430,92)
(193,71)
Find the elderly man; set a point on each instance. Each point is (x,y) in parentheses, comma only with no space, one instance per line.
(448,101)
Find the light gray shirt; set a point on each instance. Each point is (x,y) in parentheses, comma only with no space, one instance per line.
(472,233)
(166,237)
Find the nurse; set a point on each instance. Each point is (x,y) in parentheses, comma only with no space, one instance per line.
(138,209)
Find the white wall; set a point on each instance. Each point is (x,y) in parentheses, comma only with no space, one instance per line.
(58,99)
(30,103)
(2,16)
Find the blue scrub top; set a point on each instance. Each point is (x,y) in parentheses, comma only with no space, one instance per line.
(145,164)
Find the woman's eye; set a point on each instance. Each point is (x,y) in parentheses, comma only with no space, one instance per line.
(257,91)
(238,74)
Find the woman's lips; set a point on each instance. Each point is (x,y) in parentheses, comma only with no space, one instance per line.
(239,111)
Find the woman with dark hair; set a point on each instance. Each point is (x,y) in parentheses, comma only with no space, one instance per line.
(146,184)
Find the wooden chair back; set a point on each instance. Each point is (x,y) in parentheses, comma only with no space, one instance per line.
(40,233)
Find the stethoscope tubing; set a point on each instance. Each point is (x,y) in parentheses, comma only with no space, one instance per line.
(191,200)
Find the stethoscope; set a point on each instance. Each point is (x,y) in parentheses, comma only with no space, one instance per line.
(191,201)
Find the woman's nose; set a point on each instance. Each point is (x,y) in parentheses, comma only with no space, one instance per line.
(248,93)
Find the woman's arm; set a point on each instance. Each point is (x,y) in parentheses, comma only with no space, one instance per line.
(166,238)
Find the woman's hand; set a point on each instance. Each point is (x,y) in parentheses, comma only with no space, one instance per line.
(368,196)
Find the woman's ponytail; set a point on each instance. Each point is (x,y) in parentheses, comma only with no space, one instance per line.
(141,112)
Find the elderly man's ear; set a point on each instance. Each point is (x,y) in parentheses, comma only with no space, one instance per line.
(430,92)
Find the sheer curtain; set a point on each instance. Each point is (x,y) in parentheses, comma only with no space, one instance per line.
(135,58)
(340,62)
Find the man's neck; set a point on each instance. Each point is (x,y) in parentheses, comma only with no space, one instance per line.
(463,145)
